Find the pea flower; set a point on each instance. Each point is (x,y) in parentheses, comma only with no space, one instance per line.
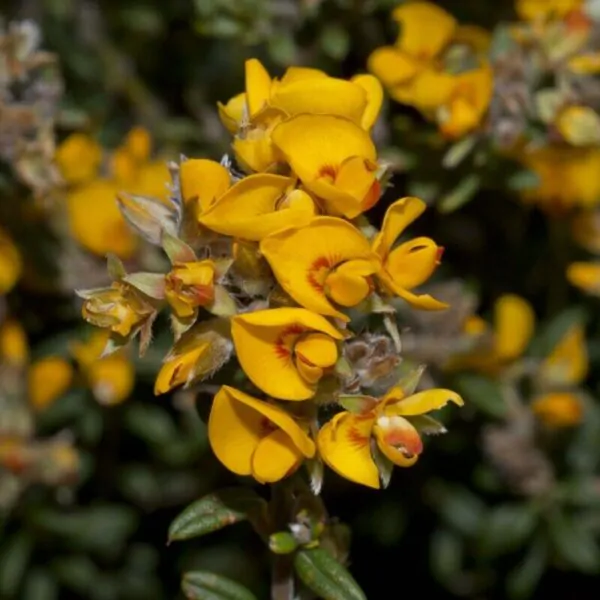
(567,364)
(202,182)
(47,380)
(558,409)
(78,158)
(285,351)
(411,263)
(334,158)
(254,437)
(14,347)
(11,264)
(110,378)
(259,205)
(585,276)
(333,269)
(530,10)
(391,423)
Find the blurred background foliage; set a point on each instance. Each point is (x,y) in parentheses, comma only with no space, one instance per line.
(464,523)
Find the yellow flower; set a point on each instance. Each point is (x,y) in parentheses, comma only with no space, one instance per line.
(14,348)
(530,10)
(78,158)
(585,227)
(118,308)
(259,205)
(344,442)
(334,158)
(558,409)
(111,378)
(257,438)
(48,379)
(568,177)
(11,265)
(96,222)
(579,125)
(567,364)
(513,326)
(203,182)
(285,351)
(326,261)
(410,264)
(199,353)
(468,102)
(190,285)
(585,276)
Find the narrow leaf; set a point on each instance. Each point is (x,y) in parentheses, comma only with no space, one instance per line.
(116,270)
(177,250)
(326,577)
(151,284)
(461,194)
(201,585)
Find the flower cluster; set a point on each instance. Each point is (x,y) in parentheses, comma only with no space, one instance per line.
(271,259)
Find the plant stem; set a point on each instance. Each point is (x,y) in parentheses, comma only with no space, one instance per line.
(282,570)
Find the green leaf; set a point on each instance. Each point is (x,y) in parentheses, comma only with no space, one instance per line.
(335,41)
(574,543)
(282,542)
(358,404)
(523,180)
(506,528)
(522,581)
(446,555)
(458,507)
(201,585)
(481,392)
(151,284)
(321,573)
(13,562)
(461,194)
(458,152)
(215,511)
(40,585)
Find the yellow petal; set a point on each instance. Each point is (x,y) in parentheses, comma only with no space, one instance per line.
(391,66)
(412,263)
(322,96)
(275,457)
(345,446)
(326,242)
(514,321)
(418,404)
(314,145)
(14,348)
(48,379)
(558,409)
(249,210)
(111,379)
(178,369)
(585,63)
(398,440)
(203,181)
(477,38)
(238,423)
(348,285)
(397,218)
(11,264)
(317,349)
(425,29)
(585,276)
(567,364)
(430,89)
(138,143)
(374,93)
(255,151)
(258,86)
(151,180)
(530,10)
(78,158)
(96,221)
(301,73)
(232,114)
(264,343)
(421,301)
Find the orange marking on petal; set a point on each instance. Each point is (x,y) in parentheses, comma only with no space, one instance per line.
(439,254)
(319,264)
(372,197)
(282,343)
(267,426)
(328,171)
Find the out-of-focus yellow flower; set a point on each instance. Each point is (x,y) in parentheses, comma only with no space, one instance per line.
(190,285)
(14,348)
(513,326)
(11,265)
(530,10)
(110,378)
(585,276)
(285,351)
(326,262)
(334,158)
(119,308)
(568,177)
(259,205)
(48,379)
(410,264)
(252,116)
(558,409)
(579,125)
(344,442)
(257,438)
(78,158)
(437,66)
(567,364)
(468,102)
